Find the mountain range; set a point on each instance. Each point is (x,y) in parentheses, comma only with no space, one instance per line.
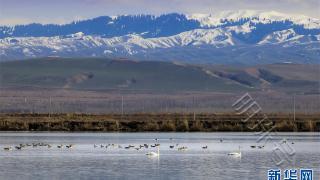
(239,37)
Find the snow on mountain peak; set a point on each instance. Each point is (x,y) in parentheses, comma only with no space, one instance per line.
(279,36)
(216,19)
(145,35)
(77,35)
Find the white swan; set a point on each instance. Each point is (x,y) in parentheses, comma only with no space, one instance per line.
(154,154)
(235,154)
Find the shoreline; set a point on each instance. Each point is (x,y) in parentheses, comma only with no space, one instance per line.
(158,122)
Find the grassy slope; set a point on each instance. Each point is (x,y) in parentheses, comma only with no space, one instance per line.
(106,73)
(99,74)
(299,78)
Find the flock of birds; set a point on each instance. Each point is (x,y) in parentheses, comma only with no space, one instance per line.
(136,147)
(34,145)
(145,147)
(106,146)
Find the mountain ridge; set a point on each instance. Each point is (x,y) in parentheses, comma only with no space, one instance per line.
(185,21)
(183,37)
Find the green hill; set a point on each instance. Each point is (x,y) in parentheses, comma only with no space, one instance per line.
(108,74)
(100,74)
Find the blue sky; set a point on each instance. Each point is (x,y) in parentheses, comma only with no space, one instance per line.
(64,11)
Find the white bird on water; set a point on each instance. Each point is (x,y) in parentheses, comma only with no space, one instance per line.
(236,154)
(154,154)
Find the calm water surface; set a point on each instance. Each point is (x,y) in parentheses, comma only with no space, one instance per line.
(84,161)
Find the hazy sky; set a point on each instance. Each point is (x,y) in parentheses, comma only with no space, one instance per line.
(63,11)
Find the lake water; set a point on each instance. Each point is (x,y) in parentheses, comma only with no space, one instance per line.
(84,161)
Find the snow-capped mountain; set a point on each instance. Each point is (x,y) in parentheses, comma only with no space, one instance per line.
(219,19)
(228,37)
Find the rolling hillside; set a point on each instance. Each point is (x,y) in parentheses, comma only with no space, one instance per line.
(99,74)
(97,85)
(103,74)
